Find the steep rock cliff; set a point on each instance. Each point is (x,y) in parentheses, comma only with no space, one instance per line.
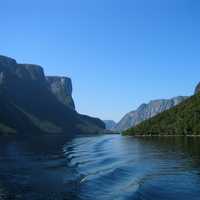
(30,105)
(61,87)
(197,89)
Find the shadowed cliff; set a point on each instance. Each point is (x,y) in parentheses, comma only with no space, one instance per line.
(31,102)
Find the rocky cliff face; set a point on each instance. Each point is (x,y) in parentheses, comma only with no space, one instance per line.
(33,103)
(9,67)
(197,89)
(61,87)
(146,111)
(30,72)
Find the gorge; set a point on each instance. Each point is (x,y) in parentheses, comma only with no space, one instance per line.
(50,151)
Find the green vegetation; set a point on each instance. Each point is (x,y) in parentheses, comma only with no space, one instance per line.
(183,119)
(4,129)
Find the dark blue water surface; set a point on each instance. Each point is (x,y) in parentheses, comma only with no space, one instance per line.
(100,167)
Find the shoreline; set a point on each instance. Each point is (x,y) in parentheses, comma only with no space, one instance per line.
(161,135)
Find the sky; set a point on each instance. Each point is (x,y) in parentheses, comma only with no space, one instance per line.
(118,53)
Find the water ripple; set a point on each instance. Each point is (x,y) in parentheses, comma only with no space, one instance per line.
(113,167)
(104,167)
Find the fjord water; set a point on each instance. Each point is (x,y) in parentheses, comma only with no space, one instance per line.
(105,167)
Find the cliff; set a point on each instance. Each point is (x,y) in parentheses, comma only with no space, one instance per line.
(61,87)
(197,89)
(33,103)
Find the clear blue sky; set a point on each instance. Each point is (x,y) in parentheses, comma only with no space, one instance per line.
(119,53)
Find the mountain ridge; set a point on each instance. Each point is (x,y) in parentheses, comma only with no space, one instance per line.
(183,119)
(146,111)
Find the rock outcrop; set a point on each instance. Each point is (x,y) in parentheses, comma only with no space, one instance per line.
(33,103)
(146,111)
(61,87)
(30,72)
(9,66)
(197,89)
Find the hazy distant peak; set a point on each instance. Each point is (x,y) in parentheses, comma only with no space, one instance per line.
(110,124)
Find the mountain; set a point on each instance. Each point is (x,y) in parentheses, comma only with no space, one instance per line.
(61,87)
(146,111)
(183,119)
(110,124)
(197,89)
(34,103)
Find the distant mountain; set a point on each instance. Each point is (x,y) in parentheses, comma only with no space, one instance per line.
(110,124)
(146,111)
(32,103)
(183,119)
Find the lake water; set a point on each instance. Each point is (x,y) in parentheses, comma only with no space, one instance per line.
(105,167)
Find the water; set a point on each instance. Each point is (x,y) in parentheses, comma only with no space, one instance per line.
(107,167)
